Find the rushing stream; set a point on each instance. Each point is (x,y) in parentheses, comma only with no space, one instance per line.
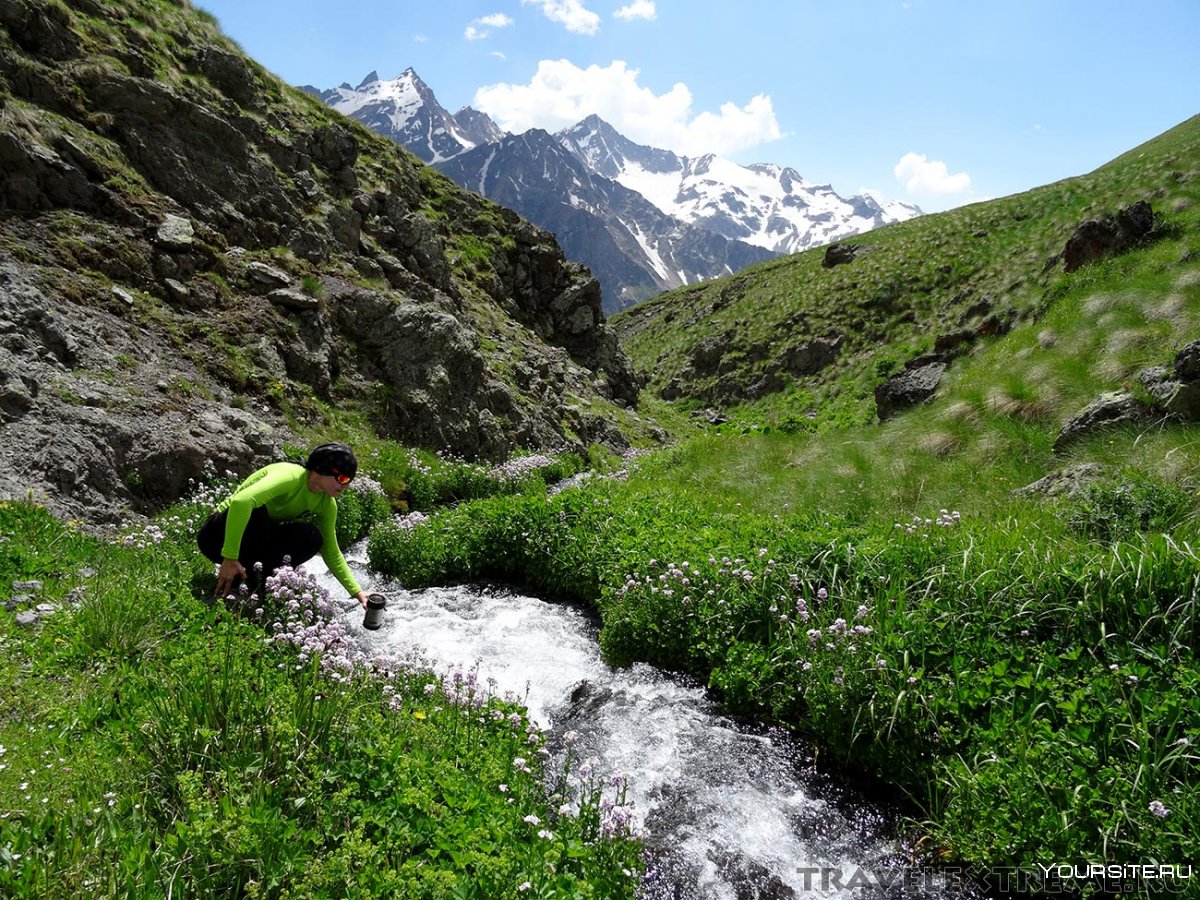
(729,811)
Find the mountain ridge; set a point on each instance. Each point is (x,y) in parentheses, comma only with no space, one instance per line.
(747,209)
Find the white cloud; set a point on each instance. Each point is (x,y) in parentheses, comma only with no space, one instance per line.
(638,9)
(498,55)
(420,38)
(570,13)
(561,94)
(922,175)
(482,27)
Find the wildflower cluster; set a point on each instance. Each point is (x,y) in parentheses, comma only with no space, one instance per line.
(410,521)
(416,465)
(521,467)
(146,536)
(755,598)
(616,811)
(945,519)
(211,488)
(365,484)
(300,614)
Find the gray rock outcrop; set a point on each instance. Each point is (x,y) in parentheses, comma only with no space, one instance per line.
(1174,392)
(1066,482)
(914,384)
(1106,411)
(157,303)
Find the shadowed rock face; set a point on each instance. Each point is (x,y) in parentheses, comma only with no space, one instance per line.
(193,255)
(1097,238)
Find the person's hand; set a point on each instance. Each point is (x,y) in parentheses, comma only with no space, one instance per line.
(229,572)
(361,597)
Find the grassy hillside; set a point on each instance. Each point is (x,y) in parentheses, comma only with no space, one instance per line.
(976,270)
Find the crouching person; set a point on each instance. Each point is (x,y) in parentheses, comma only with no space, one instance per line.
(282,511)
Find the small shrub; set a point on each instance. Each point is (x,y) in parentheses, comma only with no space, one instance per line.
(1111,510)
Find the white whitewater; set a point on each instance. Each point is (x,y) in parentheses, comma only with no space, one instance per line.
(729,811)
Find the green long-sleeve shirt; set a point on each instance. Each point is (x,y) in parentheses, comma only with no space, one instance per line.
(283,489)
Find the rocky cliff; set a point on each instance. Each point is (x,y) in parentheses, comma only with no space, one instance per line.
(198,263)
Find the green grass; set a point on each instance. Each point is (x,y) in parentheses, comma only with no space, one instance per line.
(152,746)
(1030,689)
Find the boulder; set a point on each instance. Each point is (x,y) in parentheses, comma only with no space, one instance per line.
(229,73)
(291,298)
(265,277)
(710,416)
(1106,411)
(1176,389)
(915,384)
(839,255)
(1097,238)
(175,233)
(1068,482)
(1187,362)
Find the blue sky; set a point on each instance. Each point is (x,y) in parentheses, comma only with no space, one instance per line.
(934,102)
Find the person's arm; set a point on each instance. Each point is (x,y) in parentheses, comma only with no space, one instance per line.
(332,553)
(237,515)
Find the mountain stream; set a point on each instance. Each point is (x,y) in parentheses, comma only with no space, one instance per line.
(729,810)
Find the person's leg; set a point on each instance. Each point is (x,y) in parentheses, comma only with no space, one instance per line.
(255,546)
(297,542)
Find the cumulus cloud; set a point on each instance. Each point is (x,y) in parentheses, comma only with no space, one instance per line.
(420,38)
(571,14)
(638,9)
(922,175)
(560,94)
(482,27)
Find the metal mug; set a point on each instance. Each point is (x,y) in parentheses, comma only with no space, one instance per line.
(376,603)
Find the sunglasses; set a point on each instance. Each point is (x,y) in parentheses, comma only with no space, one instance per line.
(341,479)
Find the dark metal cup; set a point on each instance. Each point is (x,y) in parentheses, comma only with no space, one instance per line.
(376,604)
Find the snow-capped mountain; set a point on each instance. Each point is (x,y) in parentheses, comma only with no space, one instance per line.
(765,205)
(643,220)
(406,110)
(632,247)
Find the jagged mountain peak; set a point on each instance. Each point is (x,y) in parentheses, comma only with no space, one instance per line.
(406,110)
(606,151)
(478,126)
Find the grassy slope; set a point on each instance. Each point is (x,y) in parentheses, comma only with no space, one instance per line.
(921,279)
